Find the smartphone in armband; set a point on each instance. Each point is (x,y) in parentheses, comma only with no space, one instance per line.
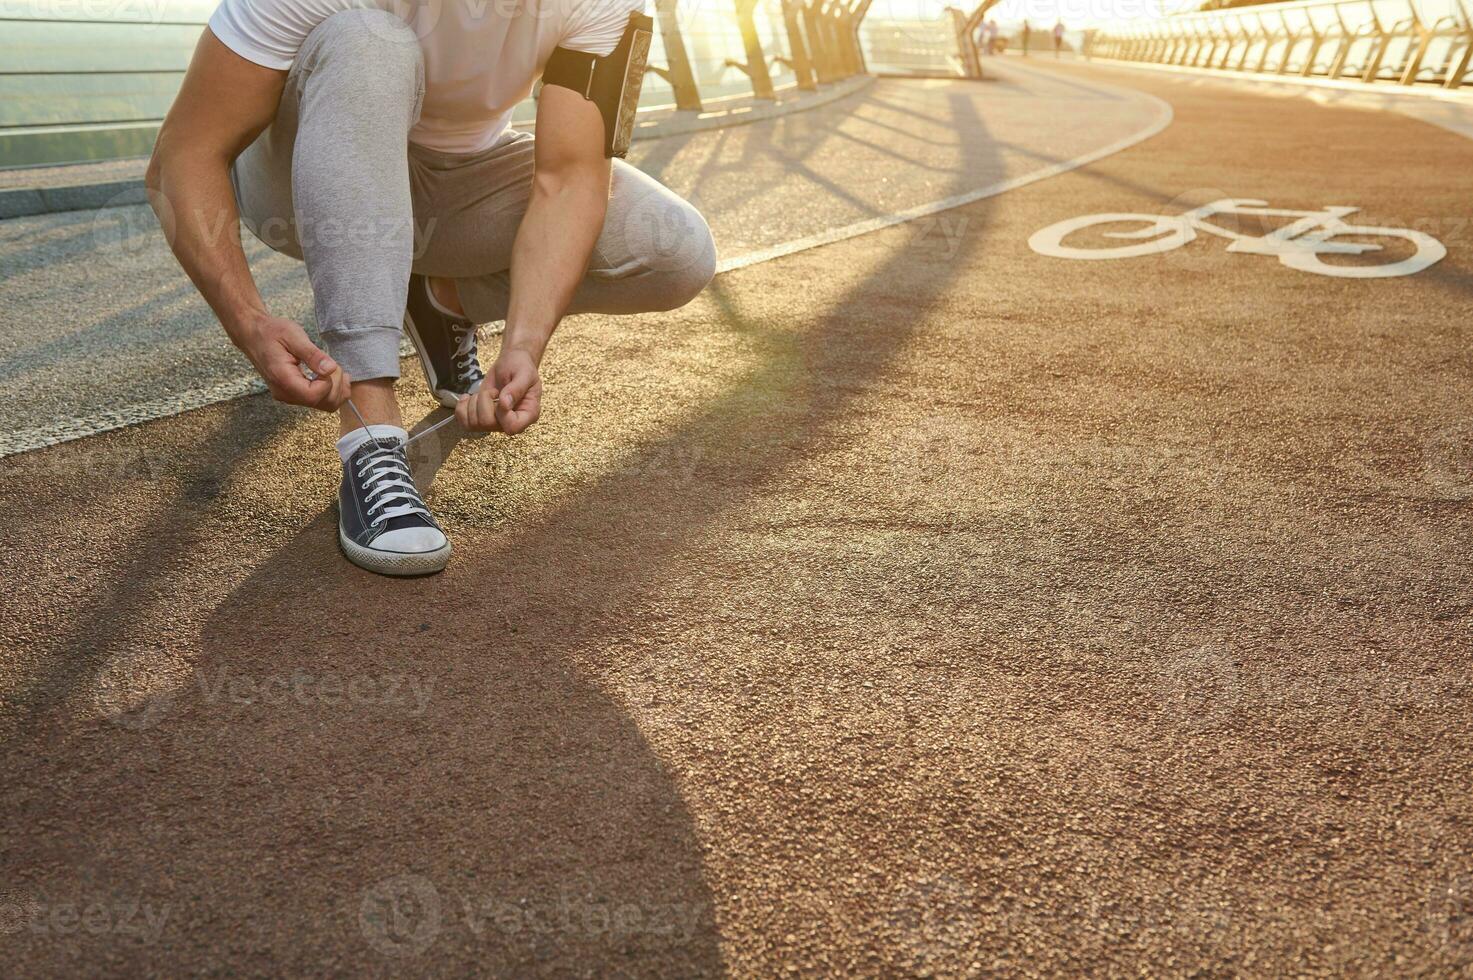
(612,82)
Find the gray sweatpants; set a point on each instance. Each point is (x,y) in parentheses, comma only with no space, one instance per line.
(334,181)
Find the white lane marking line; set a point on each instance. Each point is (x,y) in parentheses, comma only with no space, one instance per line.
(1162,120)
(66,430)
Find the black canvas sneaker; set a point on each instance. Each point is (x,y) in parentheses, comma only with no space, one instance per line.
(383,524)
(446,345)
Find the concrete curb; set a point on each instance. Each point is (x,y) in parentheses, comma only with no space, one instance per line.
(673,122)
(657,123)
(23,201)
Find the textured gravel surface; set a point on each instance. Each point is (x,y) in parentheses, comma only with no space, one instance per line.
(912,605)
(101,326)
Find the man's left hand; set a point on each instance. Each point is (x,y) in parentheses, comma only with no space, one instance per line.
(509,400)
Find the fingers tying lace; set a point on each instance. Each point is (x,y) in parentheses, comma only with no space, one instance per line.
(414,438)
(312,376)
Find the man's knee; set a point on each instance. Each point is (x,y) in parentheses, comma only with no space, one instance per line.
(372,48)
(683,259)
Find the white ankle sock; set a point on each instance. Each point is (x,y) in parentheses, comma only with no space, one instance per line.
(348,444)
(435,301)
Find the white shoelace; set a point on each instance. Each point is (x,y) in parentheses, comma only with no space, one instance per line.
(389,482)
(414,438)
(390,466)
(387,467)
(467,366)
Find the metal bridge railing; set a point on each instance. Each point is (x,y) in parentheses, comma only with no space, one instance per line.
(78,86)
(1405,42)
(966,26)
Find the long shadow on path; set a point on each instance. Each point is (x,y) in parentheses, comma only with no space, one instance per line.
(447,787)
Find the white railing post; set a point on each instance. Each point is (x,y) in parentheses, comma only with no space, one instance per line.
(1247,37)
(1347,41)
(1291,41)
(1424,41)
(1456,73)
(1268,43)
(1383,41)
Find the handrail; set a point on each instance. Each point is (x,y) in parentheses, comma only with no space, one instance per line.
(966,25)
(677,73)
(1422,46)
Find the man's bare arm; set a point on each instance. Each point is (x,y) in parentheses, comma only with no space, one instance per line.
(223,105)
(570,195)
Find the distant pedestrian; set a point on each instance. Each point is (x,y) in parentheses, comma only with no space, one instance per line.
(1058,37)
(989,33)
(1026,32)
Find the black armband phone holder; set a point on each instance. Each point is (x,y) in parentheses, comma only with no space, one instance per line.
(612,82)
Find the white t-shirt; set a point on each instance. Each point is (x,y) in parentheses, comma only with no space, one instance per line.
(481,56)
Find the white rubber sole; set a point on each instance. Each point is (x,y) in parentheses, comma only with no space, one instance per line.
(446,399)
(400,563)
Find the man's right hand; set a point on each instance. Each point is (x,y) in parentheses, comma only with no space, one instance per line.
(278,348)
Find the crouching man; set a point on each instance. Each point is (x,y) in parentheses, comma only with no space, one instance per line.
(376,148)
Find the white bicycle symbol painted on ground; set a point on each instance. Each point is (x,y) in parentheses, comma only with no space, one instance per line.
(1298,244)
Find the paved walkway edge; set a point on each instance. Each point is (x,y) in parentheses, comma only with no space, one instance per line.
(656,122)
